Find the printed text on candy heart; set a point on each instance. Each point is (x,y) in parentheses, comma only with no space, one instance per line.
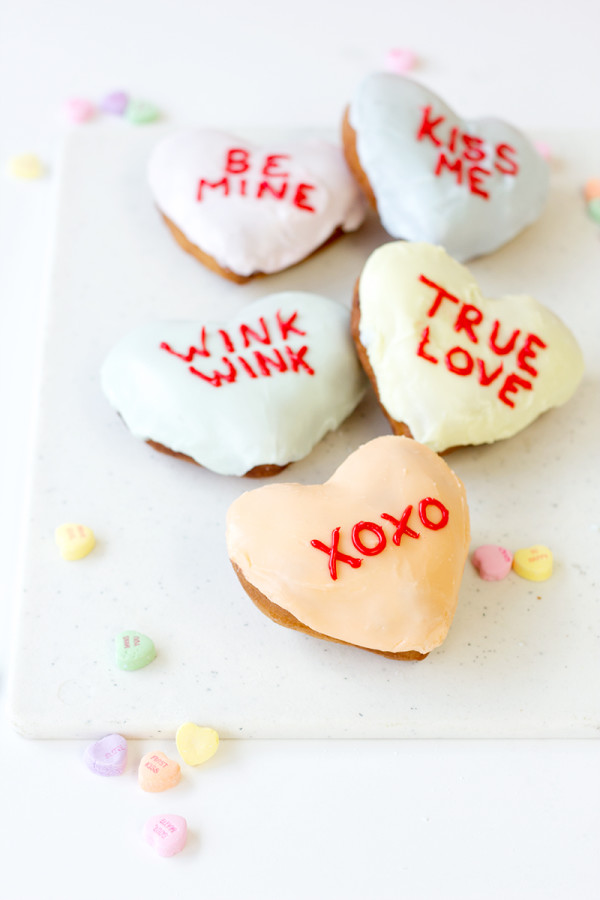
(401,527)
(465,155)
(461,362)
(242,359)
(267,179)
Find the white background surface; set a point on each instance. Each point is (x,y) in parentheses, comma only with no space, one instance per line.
(279,819)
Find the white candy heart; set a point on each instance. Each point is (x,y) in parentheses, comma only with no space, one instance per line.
(455,367)
(253,209)
(469,185)
(260,389)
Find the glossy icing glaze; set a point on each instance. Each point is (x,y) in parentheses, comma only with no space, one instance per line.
(251,208)
(469,185)
(260,389)
(456,367)
(401,596)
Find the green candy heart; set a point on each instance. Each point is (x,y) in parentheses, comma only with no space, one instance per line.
(139,112)
(134,650)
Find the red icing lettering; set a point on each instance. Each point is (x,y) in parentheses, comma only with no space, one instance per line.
(238,161)
(217,378)
(473,148)
(300,197)
(452,142)
(213,185)
(287,358)
(401,525)
(442,294)
(424,517)
(370,549)
(247,367)
(468,317)
(502,351)
(510,166)
(422,344)
(334,553)
(248,333)
(443,162)
(278,192)
(192,352)
(527,352)
(227,341)
(265,361)
(475,174)
(243,184)
(272,164)
(377,530)
(287,325)
(126,641)
(511,385)
(427,126)
(297,359)
(466,368)
(484,378)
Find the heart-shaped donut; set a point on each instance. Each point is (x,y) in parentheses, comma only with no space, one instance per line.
(469,185)
(244,210)
(451,367)
(247,396)
(373,557)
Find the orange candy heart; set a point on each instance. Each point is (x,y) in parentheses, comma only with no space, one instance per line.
(157,772)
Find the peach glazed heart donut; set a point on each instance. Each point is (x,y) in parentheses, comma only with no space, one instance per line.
(373,558)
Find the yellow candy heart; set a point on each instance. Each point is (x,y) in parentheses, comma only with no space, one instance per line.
(74,541)
(533,563)
(196,744)
(26,166)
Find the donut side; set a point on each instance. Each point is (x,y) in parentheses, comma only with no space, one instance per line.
(282,617)
(211,263)
(353,160)
(262,471)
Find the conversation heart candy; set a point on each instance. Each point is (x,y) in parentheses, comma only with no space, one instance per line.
(25,166)
(492,562)
(533,563)
(157,772)
(134,650)
(114,103)
(196,744)
(167,834)
(74,541)
(139,112)
(400,60)
(78,109)
(107,756)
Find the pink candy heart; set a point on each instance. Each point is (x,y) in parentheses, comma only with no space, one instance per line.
(492,562)
(107,756)
(78,109)
(167,834)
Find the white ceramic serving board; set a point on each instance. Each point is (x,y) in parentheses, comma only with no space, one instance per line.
(522,658)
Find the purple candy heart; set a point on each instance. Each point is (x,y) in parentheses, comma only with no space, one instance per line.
(107,756)
(115,103)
